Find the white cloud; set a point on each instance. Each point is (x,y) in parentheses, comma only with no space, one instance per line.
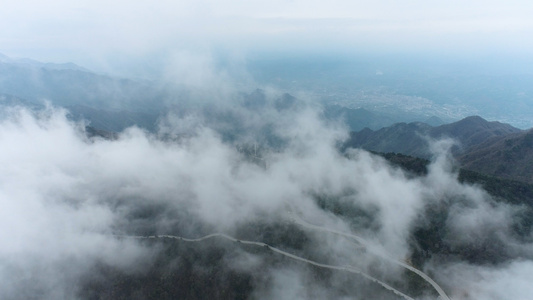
(63,195)
(509,281)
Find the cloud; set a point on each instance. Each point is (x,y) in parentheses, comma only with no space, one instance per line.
(53,226)
(66,197)
(508,281)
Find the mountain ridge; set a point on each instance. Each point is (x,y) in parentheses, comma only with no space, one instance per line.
(491,148)
(509,156)
(412,138)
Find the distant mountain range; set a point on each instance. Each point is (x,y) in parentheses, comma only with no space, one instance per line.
(112,104)
(491,148)
(69,84)
(30,63)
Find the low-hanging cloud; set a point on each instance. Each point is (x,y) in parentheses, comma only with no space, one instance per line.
(68,201)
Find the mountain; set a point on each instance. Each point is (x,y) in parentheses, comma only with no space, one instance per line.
(401,138)
(490,148)
(99,119)
(108,103)
(92,132)
(509,156)
(472,131)
(26,62)
(114,120)
(68,84)
(412,138)
(504,189)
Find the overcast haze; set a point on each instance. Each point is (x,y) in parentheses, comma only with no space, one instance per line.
(235,138)
(103,35)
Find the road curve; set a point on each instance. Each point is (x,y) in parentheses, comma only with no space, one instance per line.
(274,249)
(363,242)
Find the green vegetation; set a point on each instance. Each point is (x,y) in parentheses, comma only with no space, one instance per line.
(180,271)
(414,165)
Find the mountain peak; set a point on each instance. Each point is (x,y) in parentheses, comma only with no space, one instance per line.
(477,119)
(407,138)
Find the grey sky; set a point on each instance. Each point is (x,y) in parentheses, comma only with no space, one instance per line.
(97,31)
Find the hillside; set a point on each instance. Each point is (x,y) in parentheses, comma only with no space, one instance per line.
(509,156)
(412,138)
(68,84)
(491,148)
(401,137)
(472,131)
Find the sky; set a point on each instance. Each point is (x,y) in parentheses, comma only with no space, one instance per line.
(104,35)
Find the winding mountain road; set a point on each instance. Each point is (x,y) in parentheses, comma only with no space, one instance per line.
(442,295)
(296,219)
(274,249)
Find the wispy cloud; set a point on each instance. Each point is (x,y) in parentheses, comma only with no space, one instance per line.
(64,196)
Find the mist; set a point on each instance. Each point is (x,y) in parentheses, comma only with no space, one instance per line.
(190,155)
(128,37)
(71,205)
